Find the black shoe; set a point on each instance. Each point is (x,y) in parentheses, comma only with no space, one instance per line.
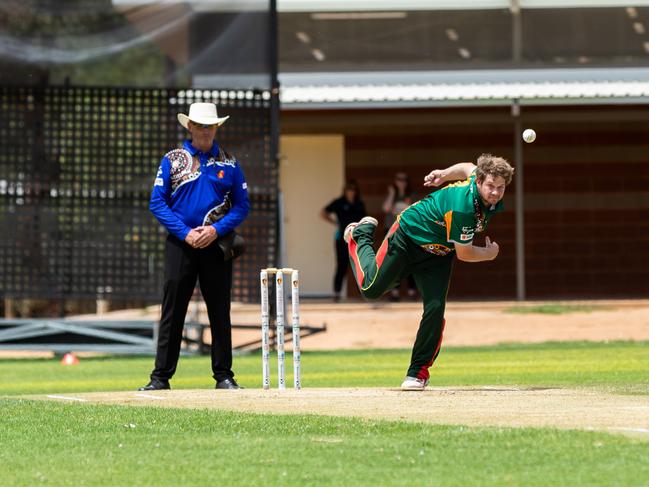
(155,385)
(227,384)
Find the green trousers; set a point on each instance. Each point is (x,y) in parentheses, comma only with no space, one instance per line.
(378,272)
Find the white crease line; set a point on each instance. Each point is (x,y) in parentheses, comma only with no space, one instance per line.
(150,397)
(634,430)
(53,396)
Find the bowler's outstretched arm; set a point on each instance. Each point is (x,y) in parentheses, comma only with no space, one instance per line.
(459,171)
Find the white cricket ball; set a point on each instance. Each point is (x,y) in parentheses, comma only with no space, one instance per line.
(529,135)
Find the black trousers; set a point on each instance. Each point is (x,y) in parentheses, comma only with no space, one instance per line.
(183,265)
(342,264)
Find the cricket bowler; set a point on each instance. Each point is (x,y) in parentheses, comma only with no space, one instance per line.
(424,241)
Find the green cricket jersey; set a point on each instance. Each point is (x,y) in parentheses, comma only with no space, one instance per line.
(448,216)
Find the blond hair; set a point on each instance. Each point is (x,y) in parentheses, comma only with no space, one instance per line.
(489,165)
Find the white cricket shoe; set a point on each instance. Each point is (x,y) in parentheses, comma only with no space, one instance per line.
(366,220)
(413,384)
(347,235)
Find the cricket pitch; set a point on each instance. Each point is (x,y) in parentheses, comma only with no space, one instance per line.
(470,406)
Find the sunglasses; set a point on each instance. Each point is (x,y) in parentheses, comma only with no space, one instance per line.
(203,126)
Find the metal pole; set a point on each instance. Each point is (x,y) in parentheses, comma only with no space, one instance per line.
(519,205)
(274,80)
(517,31)
(274,110)
(517,57)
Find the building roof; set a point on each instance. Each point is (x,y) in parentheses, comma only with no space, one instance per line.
(469,87)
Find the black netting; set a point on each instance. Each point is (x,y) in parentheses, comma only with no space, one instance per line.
(76,170)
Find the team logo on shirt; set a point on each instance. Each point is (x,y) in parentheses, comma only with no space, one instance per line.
(437,249)
(220,174)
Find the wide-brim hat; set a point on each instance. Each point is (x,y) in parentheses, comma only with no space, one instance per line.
(204,113)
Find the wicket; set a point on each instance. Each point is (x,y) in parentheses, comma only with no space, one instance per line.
(279,321)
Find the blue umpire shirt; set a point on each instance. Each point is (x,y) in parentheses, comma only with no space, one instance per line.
(215,194)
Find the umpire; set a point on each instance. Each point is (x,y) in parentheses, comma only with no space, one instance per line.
(199,195)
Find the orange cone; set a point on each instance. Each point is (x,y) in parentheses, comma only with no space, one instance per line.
(69,359)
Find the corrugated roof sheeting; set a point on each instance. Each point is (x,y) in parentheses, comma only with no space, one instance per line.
(394,89)
(463,92)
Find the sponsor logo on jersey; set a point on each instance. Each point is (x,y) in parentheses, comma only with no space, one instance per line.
(223,159)
(227,162)
(467,233)
(220,174)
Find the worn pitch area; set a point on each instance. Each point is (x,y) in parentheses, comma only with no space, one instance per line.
(471,406)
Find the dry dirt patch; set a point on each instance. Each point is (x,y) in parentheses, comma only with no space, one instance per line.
(394,325)
(483,406)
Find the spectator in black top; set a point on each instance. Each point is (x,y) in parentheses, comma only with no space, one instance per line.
(341,212)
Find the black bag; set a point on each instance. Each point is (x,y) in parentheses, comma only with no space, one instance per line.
(232,245)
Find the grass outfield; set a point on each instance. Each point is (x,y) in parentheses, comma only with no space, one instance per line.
(83,444)
(619,367)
